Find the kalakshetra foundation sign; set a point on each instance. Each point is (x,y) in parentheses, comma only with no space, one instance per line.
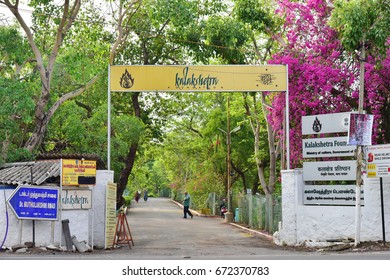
(224,78)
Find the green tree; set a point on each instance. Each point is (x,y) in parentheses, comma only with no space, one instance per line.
(362,24)
(46,50)
(17,100)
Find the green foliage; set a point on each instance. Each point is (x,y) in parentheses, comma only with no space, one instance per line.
(362,20)
(179,141)
(17,90)
(227,37)
(179,13)
(256,13)
(14,49)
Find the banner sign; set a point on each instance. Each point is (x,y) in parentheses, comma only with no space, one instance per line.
(329,170)
(325,123)
(76,199)
(133,78)
(360,129)
(330,195)
(35,203)
(327,147)
(110,218)
(378,161)
(78,172)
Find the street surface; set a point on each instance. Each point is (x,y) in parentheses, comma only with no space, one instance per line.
(160,232)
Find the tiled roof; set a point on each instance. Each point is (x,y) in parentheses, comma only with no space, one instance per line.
(45,170)
(100,165)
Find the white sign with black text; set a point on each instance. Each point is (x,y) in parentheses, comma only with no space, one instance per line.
(330,195)
(378,161)
(343,170)
(72,199)
(327,147)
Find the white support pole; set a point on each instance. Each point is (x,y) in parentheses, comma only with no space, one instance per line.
(108,121)
(287,122)
(93,221)
(60,203)
(20,231)
(359,151)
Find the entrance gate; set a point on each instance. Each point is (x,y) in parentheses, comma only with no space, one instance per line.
(189,78)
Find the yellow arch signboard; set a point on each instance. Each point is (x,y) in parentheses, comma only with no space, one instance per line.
(130,78)
(197,78)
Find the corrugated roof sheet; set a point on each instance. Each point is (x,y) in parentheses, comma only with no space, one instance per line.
(34,173)
(45,170)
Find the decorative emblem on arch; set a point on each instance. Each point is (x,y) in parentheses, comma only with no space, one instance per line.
(266,79)
(126,81)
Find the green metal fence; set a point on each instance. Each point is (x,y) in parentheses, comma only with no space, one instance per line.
(261,212)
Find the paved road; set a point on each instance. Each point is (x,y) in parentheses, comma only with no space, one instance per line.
(160,232)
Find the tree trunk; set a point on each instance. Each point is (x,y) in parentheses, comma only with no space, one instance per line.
(43,117)
(274,150)
(36,138)
(4,148)
(130,158)
(241,174)
(125,173)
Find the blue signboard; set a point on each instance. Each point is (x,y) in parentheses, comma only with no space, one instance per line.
(35,203)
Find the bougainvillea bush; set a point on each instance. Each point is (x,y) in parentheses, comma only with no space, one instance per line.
(323,78)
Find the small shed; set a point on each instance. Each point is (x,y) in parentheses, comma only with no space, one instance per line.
(45,170)
(80,206)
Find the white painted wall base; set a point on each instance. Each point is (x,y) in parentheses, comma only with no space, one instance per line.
(302,223)
(86,225)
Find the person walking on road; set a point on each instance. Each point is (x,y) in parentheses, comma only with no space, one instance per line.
(186,204)
(145,195)
(136,196)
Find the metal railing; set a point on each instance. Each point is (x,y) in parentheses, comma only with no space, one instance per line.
(261,212)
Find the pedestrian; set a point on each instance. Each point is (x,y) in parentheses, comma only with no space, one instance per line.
(136,196)
(186,204)
(145,195)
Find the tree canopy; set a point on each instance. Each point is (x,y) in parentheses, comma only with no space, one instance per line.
(53,85)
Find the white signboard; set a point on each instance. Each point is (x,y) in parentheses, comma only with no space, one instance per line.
(329,170)
(327,147)
(378,170)
(378,153)
(76,199)
(330,195)
(325,123)
(110,218)
(378,161)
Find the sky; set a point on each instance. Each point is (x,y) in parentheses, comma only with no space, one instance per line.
(6,17)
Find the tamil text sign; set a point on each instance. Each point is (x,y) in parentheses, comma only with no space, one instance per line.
(78,172)
(133,78)
(110,214)
(330,195)
(329,170)
(76,199)
(35,203)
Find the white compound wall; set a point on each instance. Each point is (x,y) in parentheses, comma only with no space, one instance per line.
(85,224)
(312,223)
